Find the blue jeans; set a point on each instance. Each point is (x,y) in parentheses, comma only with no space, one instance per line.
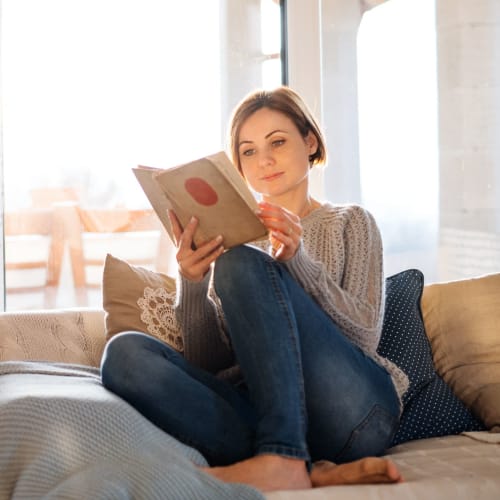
(309,393)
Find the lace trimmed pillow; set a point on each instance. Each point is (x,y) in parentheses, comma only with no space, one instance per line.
(137,299)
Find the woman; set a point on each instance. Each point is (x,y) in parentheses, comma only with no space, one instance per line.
(280,368)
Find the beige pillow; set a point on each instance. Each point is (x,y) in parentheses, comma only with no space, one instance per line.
(462,321)
(137,299)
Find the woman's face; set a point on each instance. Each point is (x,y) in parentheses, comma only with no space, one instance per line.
(274,156)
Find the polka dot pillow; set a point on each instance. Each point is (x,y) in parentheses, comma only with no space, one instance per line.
(430,408)
(435,411)
(403,340)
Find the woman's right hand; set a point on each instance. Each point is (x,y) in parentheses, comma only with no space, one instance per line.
(193,263)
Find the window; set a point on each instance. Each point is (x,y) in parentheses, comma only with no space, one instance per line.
(429,107)
(398,124)
(90,89)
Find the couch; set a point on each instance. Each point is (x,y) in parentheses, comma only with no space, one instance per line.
(62,435)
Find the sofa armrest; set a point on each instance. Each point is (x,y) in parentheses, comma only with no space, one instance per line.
(60,335)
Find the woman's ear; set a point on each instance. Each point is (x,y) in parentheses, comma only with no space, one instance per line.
(312,143)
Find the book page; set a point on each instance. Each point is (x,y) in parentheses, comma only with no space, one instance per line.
(210,189)
(155,195)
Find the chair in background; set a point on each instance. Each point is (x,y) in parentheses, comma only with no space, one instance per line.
(134,235)
(34,246)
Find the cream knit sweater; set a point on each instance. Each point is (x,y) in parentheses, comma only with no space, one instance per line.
(339,263)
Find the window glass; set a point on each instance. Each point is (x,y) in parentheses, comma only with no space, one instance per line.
(92,88)
(397,89)
(429,125)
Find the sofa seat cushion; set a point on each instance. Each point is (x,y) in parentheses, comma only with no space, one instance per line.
(445,468)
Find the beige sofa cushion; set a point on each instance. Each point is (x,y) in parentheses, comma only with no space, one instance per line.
(137,299)
(462,321)
(444,468)
(65,336)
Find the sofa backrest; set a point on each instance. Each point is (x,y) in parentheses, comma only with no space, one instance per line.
(69,336)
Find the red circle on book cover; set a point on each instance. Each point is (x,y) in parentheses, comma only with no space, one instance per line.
(201,191)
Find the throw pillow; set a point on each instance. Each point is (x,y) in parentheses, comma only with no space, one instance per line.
(430,408)
(137,299)
(403,340)
(435,411)
(462,321)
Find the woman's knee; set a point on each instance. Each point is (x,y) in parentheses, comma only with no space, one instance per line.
(236,256)
(123,357)
(237,265)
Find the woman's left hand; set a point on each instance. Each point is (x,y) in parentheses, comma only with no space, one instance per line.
(284,228)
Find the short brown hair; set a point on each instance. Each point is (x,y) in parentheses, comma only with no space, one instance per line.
(284,100)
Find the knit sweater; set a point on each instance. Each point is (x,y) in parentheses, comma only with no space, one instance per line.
(339,263)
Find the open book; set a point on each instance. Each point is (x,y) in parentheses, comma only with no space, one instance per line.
(210,189)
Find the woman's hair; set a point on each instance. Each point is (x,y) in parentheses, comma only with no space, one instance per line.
(284,100)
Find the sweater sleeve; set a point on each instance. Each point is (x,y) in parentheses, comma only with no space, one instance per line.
(200,319)
(341,267)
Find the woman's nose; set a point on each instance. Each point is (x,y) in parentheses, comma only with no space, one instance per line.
(265,159)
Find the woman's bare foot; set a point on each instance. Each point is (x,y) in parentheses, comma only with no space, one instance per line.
(363,471)
(265,472)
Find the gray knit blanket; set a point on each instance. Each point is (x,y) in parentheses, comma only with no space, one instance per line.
(64,436)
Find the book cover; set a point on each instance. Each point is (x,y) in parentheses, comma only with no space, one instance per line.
(210,189)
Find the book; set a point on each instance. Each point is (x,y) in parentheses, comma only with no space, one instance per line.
(210,189)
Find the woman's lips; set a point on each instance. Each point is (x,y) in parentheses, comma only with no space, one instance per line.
(272,177)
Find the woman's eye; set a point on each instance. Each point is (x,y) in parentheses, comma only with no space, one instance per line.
(247,152)
(278,142)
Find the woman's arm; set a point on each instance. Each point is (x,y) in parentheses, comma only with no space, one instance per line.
(196,313)
(340,263)
(204,343)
